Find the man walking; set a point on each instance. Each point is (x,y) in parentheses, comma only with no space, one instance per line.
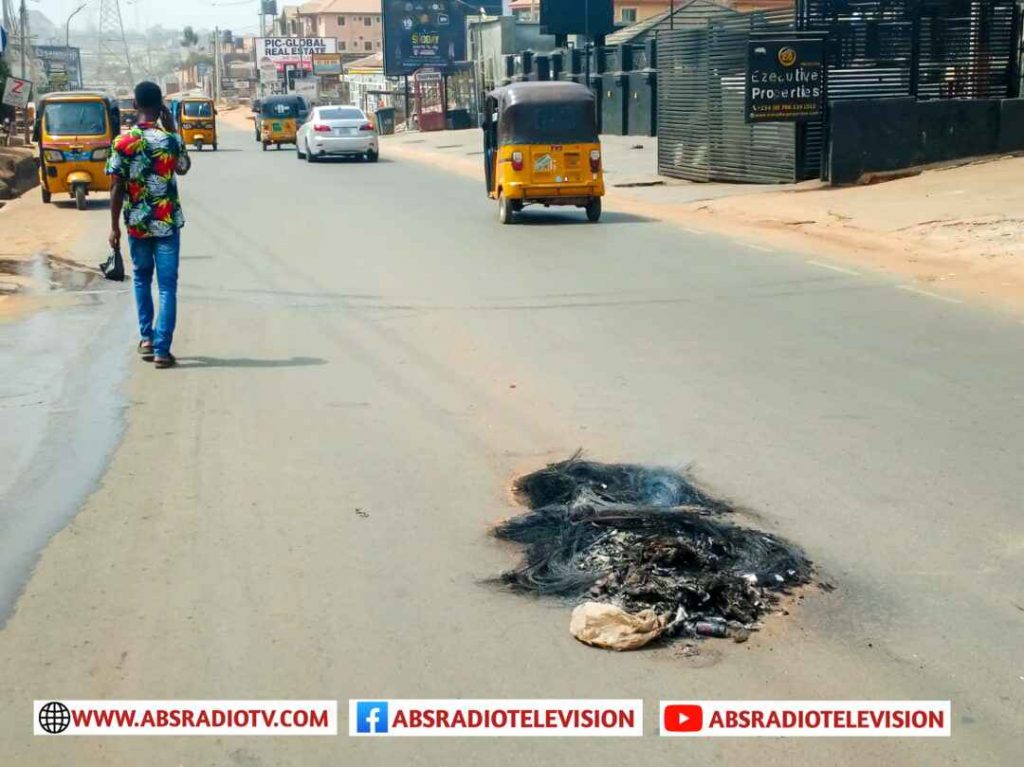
(142,165)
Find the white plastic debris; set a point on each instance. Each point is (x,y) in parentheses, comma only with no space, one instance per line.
(611,628)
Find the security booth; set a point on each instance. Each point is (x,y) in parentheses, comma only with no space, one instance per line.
(429,99)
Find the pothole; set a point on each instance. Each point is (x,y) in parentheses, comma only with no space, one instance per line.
(46,273)
(646,554)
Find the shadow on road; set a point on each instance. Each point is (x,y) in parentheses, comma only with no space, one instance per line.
(342,160)
(91,203)
(538,218)
(245,362)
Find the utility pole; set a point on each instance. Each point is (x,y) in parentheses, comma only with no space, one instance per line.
(216,64)
(23,33)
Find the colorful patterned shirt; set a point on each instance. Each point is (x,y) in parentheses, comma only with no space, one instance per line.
(147,158)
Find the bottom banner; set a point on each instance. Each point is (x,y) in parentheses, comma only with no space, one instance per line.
(495,718)
(806,718)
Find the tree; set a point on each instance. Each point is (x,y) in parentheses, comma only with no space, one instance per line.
(189,37)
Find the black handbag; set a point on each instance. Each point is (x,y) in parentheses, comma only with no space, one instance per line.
(113,267)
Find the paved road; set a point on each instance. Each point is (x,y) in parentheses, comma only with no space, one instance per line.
(358,337)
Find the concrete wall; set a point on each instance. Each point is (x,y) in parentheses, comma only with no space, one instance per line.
(874,135)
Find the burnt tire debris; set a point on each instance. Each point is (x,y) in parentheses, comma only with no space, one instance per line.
(646,539)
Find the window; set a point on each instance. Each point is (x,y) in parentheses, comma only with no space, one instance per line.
(341,21)
(367,21)
(341,113)
(341,45)
(368,46)
(377,44)
(628,15)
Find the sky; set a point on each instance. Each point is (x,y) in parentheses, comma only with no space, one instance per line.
(239,16)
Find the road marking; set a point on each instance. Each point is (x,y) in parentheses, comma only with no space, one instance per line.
(759,247)
(834,268)
(929,294)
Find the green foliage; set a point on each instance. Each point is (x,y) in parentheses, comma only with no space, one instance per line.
(189,37)
(5,70)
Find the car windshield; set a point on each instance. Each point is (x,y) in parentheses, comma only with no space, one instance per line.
(198,109)
(85,118)
(279,109)
(341,113)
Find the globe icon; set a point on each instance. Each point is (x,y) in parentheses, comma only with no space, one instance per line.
(54,717)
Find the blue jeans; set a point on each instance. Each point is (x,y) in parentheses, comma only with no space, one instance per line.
(160,253)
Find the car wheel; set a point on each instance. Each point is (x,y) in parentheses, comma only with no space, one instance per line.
(505,212)
(298,152)
(47,196)
(594,210)
(372,156)
(310,157)
(264,146)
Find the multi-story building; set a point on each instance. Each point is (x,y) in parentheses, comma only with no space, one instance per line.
(355,23)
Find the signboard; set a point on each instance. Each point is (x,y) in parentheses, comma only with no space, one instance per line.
(293,51)
(571,17)
(326,64)
(61,66)
(785,80)
(269,72)
(422,33)
(17,92)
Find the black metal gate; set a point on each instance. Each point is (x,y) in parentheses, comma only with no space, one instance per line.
(702,135)
(928,49)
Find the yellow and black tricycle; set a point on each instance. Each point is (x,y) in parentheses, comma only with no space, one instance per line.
(541,147)
(278,120)
(196,118)
(74,132)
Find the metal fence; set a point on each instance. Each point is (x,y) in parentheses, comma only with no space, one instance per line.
(702,135)
(928,49)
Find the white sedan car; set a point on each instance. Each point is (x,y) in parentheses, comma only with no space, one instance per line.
(340,131)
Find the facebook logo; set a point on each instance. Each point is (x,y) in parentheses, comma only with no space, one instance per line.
(371,717)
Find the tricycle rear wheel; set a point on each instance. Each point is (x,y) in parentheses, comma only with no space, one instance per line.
(506,214)
(594,210)
(80,197)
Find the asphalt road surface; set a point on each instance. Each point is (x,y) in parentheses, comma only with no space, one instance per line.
(300,510)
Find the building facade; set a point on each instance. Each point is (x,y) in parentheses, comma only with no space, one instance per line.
(626,11)
(355,23)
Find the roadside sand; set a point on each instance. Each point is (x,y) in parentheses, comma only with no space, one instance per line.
(29,228)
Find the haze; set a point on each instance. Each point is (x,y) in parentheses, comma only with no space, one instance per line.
(237,16)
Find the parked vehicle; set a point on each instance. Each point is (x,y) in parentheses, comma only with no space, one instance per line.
(196,120)
(337,131)
(74,132)
(541,147)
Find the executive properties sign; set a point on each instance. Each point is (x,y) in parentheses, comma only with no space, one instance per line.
(785,80)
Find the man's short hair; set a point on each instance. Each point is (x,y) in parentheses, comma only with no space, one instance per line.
(148,95)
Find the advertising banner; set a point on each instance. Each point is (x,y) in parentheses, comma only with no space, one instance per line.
(17,92)
(62,66)
(785,80)
(293,51)
(422,33)
(326,64)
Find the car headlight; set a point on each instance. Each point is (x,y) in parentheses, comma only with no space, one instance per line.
(100,154)
(53,155)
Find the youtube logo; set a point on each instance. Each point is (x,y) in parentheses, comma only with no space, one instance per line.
(682,717)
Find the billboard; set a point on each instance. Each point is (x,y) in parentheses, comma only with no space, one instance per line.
(785,80)
(572,17)
(292,51)
(326,64)
(62,66)
(422,33)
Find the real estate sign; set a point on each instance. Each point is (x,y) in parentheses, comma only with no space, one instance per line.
(293,51)
(423,33)
(785,80)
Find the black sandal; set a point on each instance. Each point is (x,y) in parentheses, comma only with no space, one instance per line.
(146,351)
(165,362)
